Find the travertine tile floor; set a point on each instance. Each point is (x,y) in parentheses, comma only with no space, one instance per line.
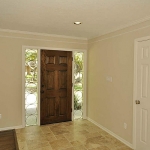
(75,135)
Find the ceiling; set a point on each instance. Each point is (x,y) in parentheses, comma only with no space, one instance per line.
(57,17)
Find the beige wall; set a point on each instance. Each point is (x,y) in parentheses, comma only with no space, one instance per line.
(11,69)
(111,103)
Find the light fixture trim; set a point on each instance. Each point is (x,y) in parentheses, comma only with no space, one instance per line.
(77,23)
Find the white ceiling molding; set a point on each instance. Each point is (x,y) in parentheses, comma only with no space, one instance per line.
(41,34)
(36,39)
(109,37)
(125,26)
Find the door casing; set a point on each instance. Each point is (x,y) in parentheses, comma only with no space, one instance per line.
(23,78)
(135,86)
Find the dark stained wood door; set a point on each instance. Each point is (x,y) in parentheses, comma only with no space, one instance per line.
(56,86)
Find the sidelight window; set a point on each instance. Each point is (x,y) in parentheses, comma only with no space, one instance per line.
(78,85)
(31,102)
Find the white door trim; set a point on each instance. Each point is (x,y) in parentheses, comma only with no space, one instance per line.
(23,87)
(23,79)
(135,86)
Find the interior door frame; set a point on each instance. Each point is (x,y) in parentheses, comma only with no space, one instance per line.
(23,78)
(135,85)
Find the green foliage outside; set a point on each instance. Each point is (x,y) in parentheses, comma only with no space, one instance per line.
(78,79)
(30,55)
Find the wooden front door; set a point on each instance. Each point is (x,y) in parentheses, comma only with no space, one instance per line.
(56,86)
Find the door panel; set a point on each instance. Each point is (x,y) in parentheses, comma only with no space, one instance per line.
(56,86)
(143,95)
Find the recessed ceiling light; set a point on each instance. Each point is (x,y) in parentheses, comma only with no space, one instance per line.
(77,23)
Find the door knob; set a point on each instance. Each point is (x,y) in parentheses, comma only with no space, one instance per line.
(137,101)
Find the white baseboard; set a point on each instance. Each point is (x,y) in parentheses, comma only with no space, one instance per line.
(111,133)
(9,128)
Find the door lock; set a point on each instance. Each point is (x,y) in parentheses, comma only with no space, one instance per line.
(137,101)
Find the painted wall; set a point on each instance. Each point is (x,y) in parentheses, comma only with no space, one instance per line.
(110,104)
(11,69)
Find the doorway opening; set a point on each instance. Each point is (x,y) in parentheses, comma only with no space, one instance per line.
(32,83)
(56,86)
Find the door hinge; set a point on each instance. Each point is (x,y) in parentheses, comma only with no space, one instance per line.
(71,109)
(72,84)
(72,58)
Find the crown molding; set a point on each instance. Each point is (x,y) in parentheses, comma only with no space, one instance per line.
(79,38)
(41,34)
(113,36)
(123,27)
(16,37)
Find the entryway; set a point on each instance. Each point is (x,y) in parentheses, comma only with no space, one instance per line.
(39,86)
(56,86)
(142,94)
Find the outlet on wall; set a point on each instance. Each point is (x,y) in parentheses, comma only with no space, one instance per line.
(0,116)
(125,126)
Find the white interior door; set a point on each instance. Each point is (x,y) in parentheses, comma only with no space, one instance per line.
(143,96)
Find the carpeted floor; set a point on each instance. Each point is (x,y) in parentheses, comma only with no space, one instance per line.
(8,140)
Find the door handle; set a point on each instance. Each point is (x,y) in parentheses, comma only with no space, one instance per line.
(137,101)
(42,91)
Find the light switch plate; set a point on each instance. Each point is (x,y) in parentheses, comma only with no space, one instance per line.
(109,79)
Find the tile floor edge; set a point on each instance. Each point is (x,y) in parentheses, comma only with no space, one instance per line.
(111,133)
(9,128)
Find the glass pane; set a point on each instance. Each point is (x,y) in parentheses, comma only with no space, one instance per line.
(31,102)
(78,85)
